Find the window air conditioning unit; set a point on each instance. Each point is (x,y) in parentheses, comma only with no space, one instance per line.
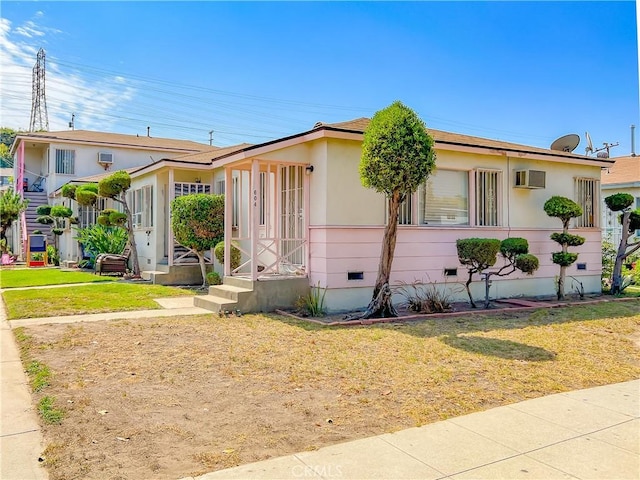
(105,158)
(530,178)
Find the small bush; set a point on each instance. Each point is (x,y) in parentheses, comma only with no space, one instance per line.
(423,297)
(313,303)
(236,255)
(213,278)
(53,256)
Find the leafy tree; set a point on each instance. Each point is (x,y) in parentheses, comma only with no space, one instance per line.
(7,137)
(397,157)
(11,206)
(197,221)
(565,209)
(630,221)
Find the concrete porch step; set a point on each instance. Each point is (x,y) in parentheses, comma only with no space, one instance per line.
(214,303)
(230,292)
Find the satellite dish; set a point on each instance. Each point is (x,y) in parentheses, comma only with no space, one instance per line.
(589,148)
(567,143)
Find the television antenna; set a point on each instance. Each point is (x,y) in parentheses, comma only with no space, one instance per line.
(566,143)
(603,152)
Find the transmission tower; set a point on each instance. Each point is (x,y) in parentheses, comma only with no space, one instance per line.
(39,116)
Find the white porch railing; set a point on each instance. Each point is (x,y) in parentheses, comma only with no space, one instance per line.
(270,256)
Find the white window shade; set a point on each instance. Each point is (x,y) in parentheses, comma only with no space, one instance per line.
(445,198)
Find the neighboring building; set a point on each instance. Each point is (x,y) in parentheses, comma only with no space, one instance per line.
(44,161)
(298,211)
(621,177)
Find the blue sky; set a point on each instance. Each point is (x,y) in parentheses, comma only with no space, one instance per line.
(526,72)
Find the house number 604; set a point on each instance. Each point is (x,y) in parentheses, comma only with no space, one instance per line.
(255,198)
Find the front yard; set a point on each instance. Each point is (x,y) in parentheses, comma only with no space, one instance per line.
(165,398)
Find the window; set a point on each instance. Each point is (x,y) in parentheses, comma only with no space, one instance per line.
(445,198)
(220,187)
(405,215)
(488,198)
(88,215)
(142,207)
(587,196)
(65,161)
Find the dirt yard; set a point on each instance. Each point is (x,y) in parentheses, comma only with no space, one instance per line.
(173,397)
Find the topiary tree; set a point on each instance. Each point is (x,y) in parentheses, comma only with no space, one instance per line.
(197,221)
(397,157)
(55,216)
(630,221)
(11,206)
(115,187)
(516,256)
(477,254)
(565,209)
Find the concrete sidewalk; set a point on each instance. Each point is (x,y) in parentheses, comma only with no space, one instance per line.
(585,434)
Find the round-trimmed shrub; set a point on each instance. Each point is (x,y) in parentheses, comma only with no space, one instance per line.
(619,201)
(236,255)
(567,239)
(527,263)
(564,259)
(213,278)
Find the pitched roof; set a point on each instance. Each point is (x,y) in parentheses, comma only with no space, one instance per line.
(441,137)
(624,170)
(115,139)
(99,176)
(207,157)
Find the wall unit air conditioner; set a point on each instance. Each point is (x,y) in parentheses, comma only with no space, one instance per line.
(530,179)
(105,158)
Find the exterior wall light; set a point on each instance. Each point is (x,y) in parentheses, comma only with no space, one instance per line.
(308,169)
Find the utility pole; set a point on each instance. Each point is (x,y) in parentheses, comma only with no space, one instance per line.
(210,137)
(39,115)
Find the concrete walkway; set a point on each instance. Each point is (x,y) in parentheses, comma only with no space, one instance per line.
(585,434)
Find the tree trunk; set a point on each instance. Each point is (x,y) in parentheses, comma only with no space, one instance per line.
(380,305)
(563,269)
(616,277)
(135,265)
(203,267)
(467,285)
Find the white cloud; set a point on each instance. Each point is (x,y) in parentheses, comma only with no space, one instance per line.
(94,102)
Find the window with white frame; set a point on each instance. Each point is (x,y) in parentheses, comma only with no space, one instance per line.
(88,214)
(488,183)
(235,193)
(588,197)
(444,198)
(142,207)
(65,161)
(219,190)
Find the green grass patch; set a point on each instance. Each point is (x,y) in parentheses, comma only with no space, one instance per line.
(30,277)
(85,299)
(39,374)
(48,412)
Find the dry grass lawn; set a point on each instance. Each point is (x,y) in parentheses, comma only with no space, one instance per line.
(172,397)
